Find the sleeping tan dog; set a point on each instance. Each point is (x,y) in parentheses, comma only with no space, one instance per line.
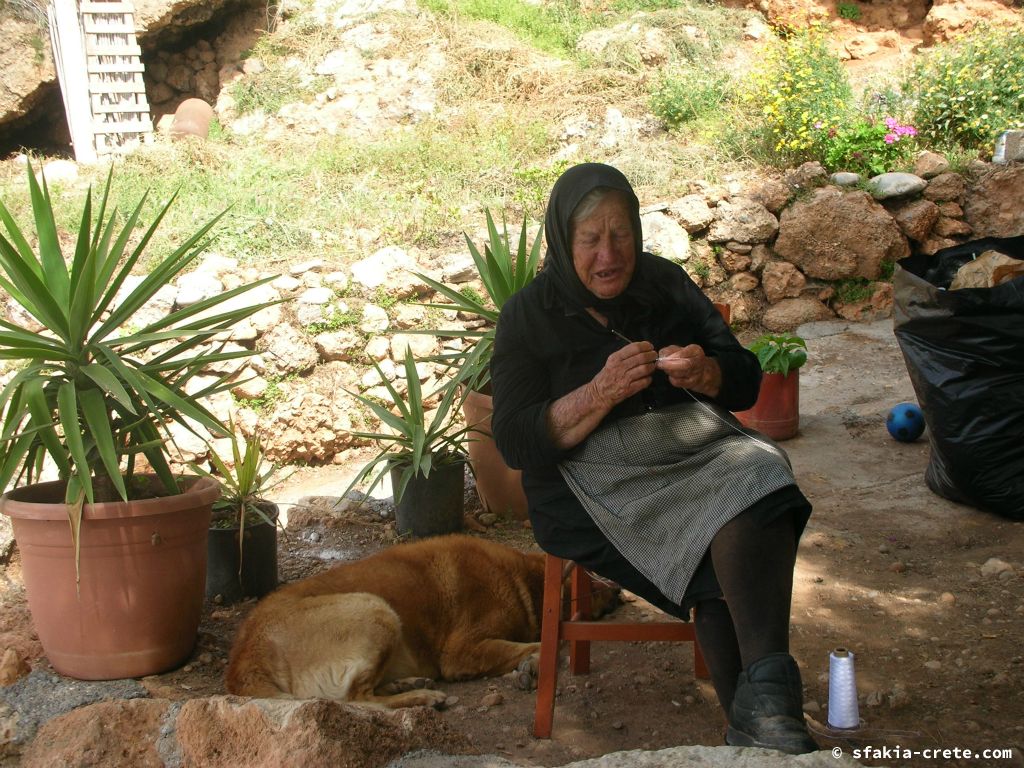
(450,607)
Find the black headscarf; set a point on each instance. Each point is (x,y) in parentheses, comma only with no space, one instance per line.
(571,187)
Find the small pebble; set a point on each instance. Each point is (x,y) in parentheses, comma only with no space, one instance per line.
(933,665)
(898,567)
(492,699)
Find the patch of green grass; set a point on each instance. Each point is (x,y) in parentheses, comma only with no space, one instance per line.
(551,27)
(852,290)
(333,322)
(277,85)
(271,396)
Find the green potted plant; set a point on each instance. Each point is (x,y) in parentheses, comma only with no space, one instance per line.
(242,541)
(422,452)
(113,551)
(502,272)
(777,410)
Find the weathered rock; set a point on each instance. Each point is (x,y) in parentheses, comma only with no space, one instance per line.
(994,206)
(273,732)
(889,185)
(743,282)
(946,227)
(734,261)
(773,194)
(930,164)
(838,234)
(338,345)
(781,280)
(845,179)
(807,176)
(946,186)
(664,236)
(378,268)
(111,734)
(693,212)
(743,220)
(949,19)
(13,666)
(284,350)
(789,313)
(916,218)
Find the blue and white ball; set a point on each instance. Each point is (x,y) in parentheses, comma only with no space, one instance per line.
(905,422)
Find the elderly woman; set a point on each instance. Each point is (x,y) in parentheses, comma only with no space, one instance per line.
(613,379)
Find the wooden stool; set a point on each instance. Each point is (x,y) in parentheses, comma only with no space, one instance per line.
(580,631)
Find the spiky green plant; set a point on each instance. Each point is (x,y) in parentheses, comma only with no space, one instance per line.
(415,446)
(97,387)
(502,272)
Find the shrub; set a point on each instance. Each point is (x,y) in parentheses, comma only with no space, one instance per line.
(969,90)
(686,94)
(849,11)
(870,146)
(800,89)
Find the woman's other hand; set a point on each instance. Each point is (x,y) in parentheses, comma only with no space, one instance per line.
(689,368)
(626,372)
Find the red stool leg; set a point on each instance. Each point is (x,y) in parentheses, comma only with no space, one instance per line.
(547,667)
(581,610)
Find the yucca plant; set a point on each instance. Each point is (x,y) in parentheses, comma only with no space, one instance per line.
(502,272)
(244,483)
(93,391)
(415,446)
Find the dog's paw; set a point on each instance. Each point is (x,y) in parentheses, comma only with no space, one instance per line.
(392,687)
(525,675)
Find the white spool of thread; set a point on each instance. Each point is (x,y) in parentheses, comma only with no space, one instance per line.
(842,690)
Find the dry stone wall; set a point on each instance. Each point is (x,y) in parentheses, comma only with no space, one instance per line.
(780,252)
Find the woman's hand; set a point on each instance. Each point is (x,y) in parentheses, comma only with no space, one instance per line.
(689,368)
(626,372)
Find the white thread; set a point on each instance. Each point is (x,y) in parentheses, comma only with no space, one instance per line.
(706,407)
(842,690)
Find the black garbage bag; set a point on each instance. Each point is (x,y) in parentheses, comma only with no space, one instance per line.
(964,351)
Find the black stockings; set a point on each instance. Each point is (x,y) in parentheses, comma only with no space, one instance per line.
(754,566)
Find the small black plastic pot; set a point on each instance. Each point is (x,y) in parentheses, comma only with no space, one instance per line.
(257,557)
(431,506)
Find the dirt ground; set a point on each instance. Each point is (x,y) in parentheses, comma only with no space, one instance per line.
(927,594)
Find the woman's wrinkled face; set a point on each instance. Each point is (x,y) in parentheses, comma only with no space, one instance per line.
(603,248)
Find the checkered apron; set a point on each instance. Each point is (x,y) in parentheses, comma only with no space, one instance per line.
(661,484)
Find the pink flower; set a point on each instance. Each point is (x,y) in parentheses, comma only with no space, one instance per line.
(889,138)
(906,130)
(891,123)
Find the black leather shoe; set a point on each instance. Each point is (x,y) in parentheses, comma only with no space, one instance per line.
(768,709)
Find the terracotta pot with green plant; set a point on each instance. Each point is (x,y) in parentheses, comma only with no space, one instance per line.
(113,553)
(777,410)
(242,542)
(502,272)
(422,453)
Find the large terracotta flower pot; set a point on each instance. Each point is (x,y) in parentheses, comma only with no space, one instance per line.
(777,410)
(137,608)
(500,487)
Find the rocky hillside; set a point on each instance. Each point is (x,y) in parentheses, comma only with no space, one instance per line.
(780,248)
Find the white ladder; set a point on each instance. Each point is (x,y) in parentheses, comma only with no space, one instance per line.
(100,66)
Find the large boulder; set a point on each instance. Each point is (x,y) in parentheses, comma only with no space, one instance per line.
(995,203)
(837,234)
